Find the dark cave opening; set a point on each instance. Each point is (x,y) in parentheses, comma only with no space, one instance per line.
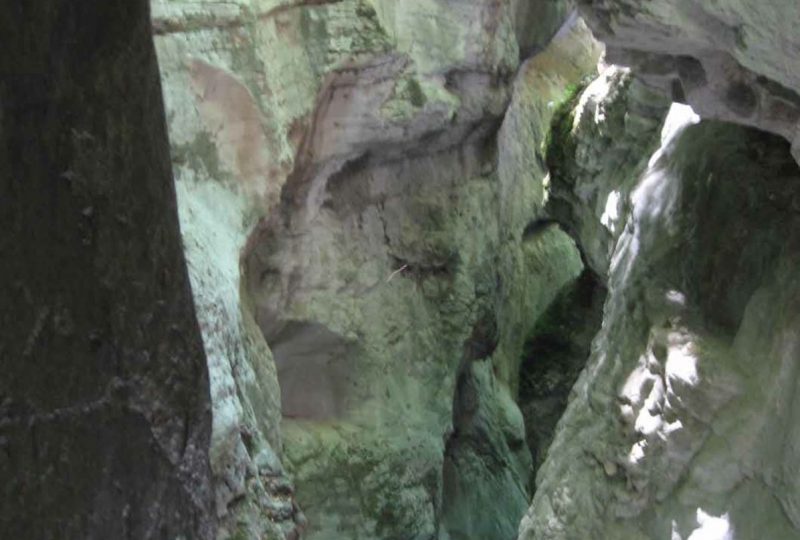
(313,370)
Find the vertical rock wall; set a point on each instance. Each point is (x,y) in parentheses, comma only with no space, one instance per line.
(104,405)
(396,294)
(354,153)
(678,425)
(228,154)
(372,238)
(674,429)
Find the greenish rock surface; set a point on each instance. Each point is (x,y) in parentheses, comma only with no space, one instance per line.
(667,433)
(229,148)
(397,226)
(554,357)
(600,134)
(343,193)
(383,305)
(598,145)
(405,277)
(407,226)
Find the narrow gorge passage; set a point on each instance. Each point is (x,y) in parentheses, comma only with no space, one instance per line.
(554,356)
(690,336)
(423,270)
(423,276)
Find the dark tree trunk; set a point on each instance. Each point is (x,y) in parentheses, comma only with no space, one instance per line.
(104,405)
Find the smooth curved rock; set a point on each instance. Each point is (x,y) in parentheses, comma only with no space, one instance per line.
(732,60)
(678,425)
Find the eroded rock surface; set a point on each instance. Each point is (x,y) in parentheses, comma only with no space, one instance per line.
(363,143)
(668,434)
(733,60)
(411,255)
(598,146)
(229,156)
(403,221)
(652,443)
(554,357)
(373,237)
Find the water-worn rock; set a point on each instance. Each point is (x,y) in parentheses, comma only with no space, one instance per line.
(398,261)
(678,425)
(396,217)
(228,153)
(733,60)
(104,404)
(653,442)
(361,137)
(554,357)
(598,145)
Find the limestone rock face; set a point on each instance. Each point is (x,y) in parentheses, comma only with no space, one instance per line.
(353,154)
(666,434)
(598,145)
(596,148)
(681,423)
(104,404)
(227,156)
(733,60)
(407,224)
(396,286)
(399,219)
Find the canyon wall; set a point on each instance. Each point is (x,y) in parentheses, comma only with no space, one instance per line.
(680,425)
(405,223)
(395,252)
(447,282)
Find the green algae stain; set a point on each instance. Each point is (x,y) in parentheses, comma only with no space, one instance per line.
(559,145)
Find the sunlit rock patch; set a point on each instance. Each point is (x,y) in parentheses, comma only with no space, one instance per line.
(666,429)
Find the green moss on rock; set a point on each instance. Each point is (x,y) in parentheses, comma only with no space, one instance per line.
(559,145)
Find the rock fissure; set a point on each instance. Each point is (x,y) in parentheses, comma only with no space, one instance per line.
(455,270)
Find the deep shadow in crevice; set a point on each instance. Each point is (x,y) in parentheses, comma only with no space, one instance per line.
(554,357)
(534,228)
(314,370)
